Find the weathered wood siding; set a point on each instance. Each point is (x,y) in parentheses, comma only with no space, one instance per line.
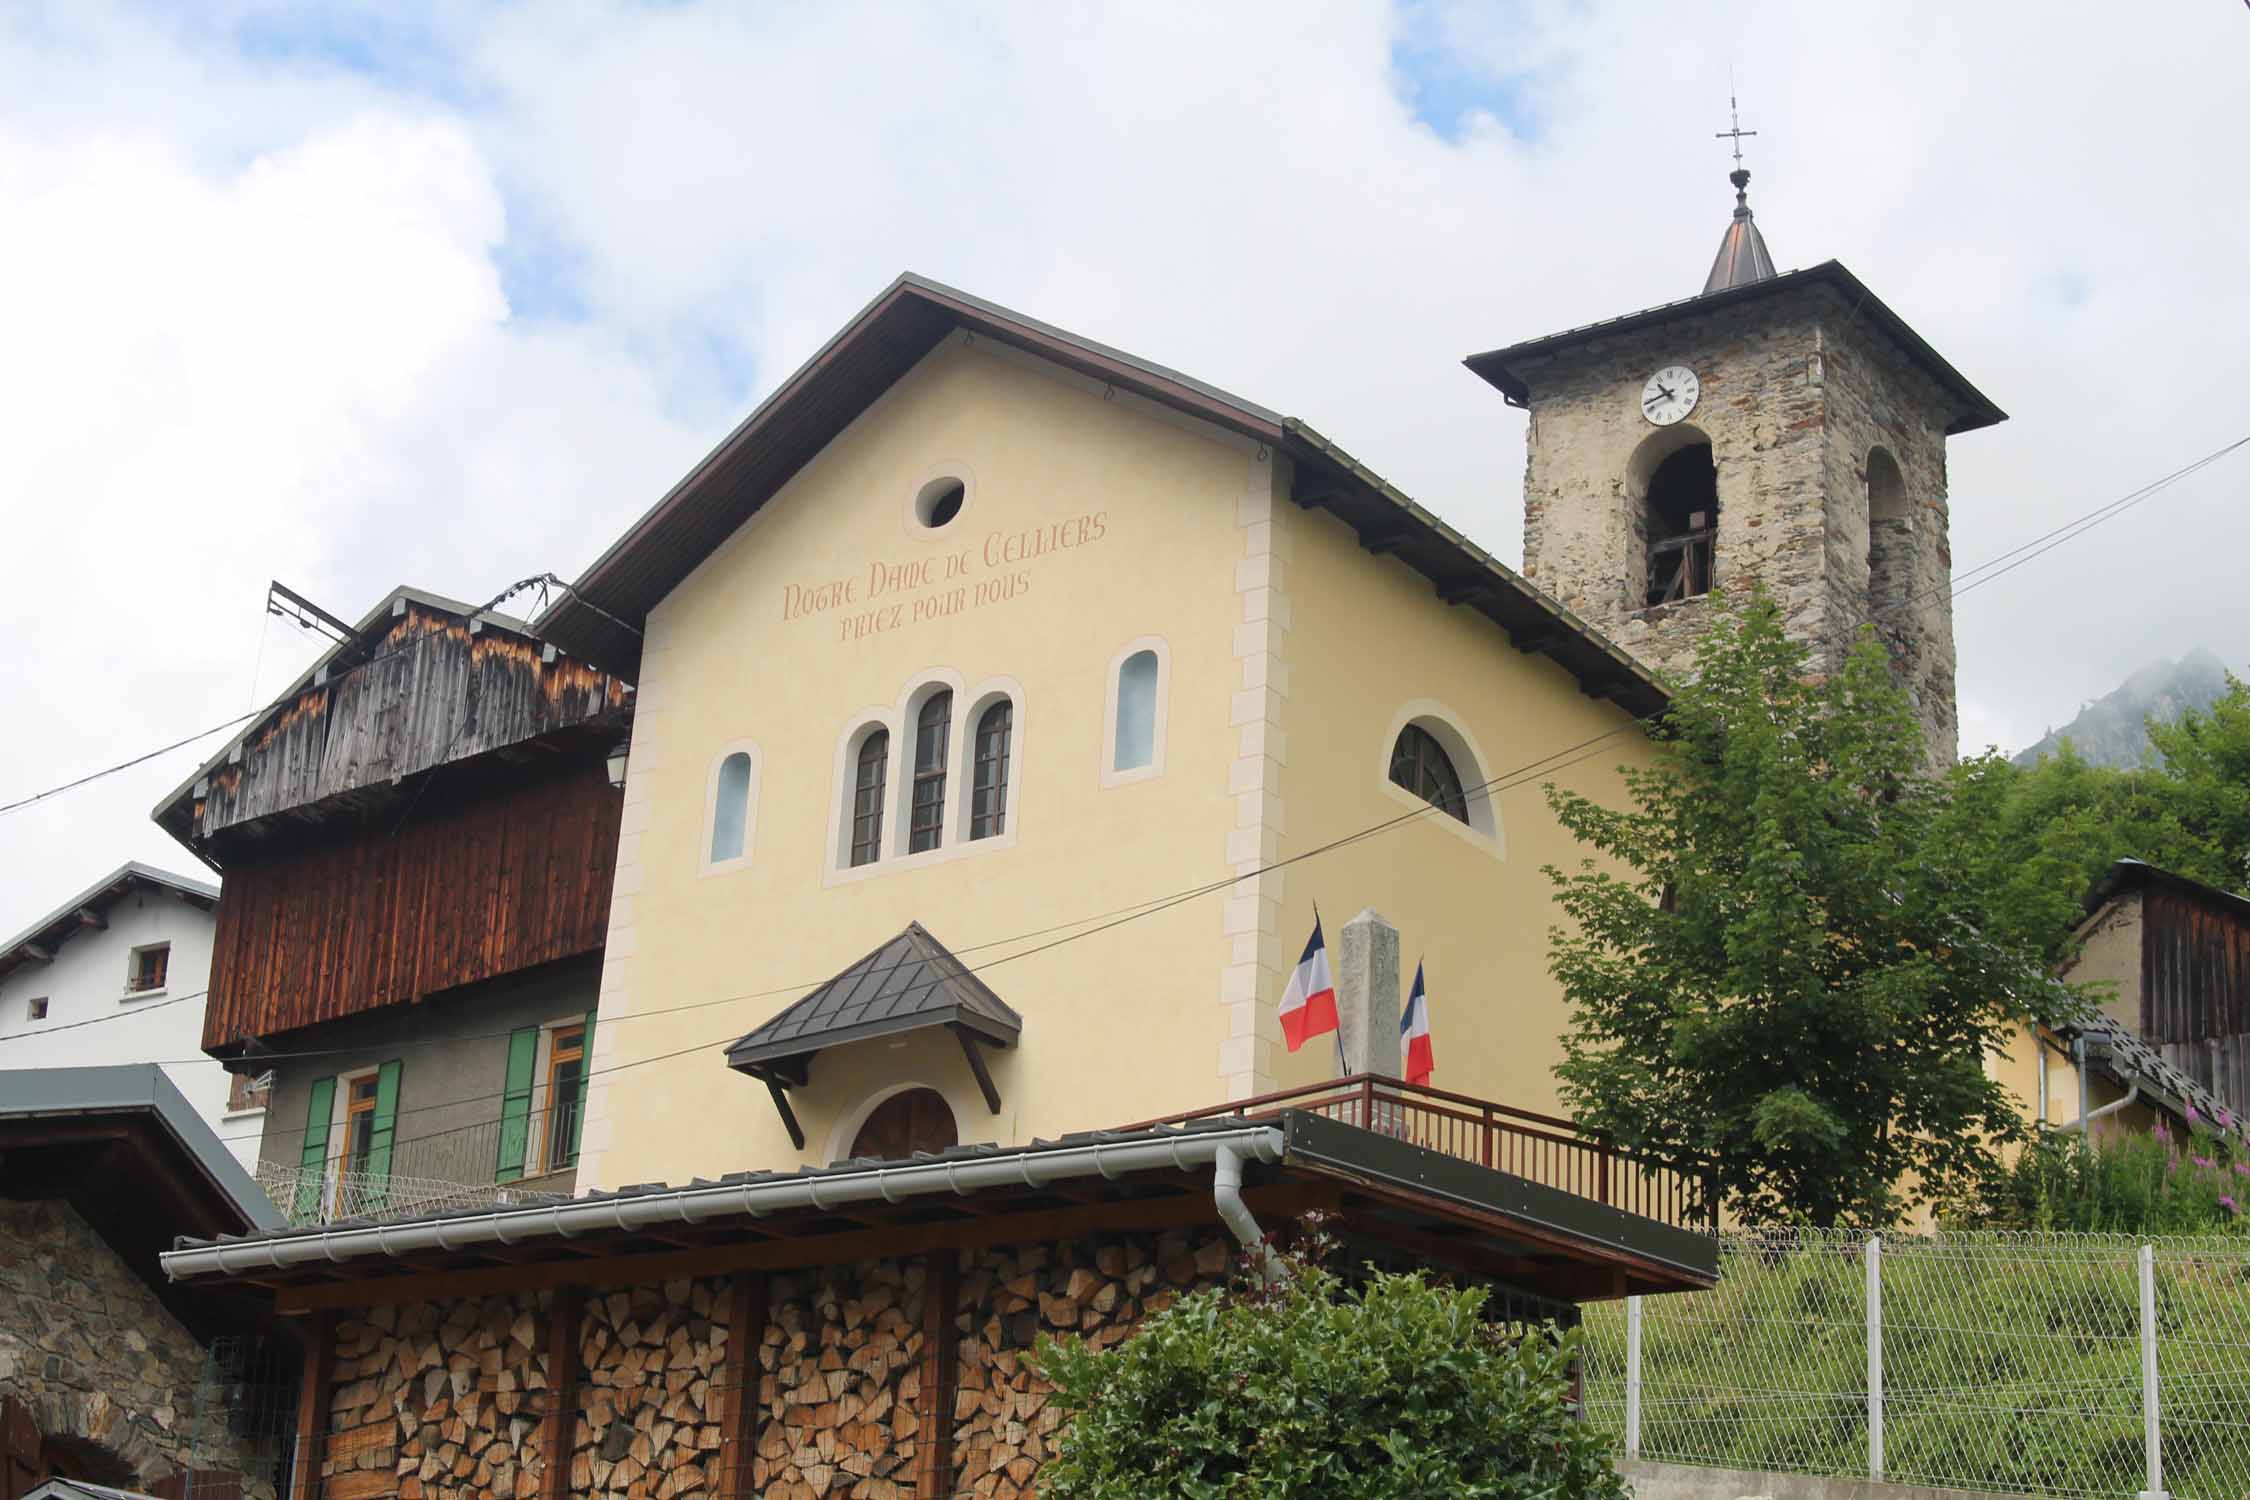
(2195,991)
(431,691)
(455,893)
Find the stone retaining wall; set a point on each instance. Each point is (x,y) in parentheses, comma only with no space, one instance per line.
(99,1363)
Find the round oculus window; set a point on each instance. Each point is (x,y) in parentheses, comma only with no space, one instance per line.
(939,502)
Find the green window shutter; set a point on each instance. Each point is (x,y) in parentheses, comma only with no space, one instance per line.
(312,1162)
(515,1103)
(585,1075)
(386,1127)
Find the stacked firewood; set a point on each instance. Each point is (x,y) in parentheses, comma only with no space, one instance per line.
(1004,1424)
(652,1394)
(439,1399)
(842,1384)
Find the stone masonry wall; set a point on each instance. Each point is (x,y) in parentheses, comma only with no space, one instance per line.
(1794,392)
(446,1399)
(1874,398)
(87,1347)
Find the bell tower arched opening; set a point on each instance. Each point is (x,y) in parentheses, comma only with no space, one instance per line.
(1673,483)
(1890,543)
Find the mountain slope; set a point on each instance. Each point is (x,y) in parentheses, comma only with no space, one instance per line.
(2111,731)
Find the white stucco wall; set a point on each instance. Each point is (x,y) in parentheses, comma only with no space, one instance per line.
(86,982)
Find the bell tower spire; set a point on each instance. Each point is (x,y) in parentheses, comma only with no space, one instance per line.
(1742,250)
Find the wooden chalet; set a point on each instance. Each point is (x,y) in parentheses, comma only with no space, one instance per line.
(418,839)
(863,1329)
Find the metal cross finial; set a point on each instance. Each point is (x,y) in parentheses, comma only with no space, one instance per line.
(1735,112)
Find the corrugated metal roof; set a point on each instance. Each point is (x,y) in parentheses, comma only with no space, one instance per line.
(63,923)
(906,984)
(986,1151)
(1502,368)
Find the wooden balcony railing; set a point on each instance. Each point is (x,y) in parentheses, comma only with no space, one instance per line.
(1539,1148)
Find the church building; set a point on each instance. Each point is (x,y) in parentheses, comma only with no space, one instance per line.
(1009,706)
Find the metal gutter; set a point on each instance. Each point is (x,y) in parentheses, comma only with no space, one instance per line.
(624,1213)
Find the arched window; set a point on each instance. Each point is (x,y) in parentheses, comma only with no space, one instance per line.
(915,1120)
(1890,537)
(1136,712)
(1679,518)
(869,773)
(925,824)
(730,808)
(1419,764)
(988,790)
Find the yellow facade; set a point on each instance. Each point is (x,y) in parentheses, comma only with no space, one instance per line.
(1092,524)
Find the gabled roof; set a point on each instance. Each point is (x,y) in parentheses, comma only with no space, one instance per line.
(907,984)
(2133,874)
(906,322)
(1503,368)
(38,942)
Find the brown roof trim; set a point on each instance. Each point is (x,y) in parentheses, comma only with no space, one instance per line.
(912,317)
(1501,368)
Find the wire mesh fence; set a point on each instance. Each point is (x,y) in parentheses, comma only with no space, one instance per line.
(2003,1362)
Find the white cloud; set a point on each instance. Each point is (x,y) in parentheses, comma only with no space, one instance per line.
(258,322)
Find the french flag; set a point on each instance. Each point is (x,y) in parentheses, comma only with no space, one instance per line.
(1414,1033)
(1308,1001)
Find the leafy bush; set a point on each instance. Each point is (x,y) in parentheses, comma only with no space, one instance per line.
(2123,1184)
(1394,1390)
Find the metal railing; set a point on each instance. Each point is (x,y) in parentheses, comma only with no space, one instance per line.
(1540,1148)
(444,1170)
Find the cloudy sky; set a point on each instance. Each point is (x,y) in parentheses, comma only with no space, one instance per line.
(355,297)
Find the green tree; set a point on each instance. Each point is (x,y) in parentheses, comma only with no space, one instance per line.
(1311,1390)
(2037,838)
(2205,771)
(1778,964)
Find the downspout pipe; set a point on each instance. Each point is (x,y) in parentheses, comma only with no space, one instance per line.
(2083,1054)
(2078,1126)
(1226,1196)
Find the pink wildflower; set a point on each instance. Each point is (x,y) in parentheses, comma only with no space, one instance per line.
(2192,1115)
(2242,1169)
(2201,1161)
(2228,1204)
(2226,1119)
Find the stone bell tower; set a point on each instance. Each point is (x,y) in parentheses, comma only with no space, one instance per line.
(1786,428)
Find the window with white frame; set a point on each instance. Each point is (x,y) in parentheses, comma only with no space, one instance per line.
(148,968)
(1133,728)
(733,805)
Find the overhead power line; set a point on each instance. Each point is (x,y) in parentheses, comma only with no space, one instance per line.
(538,580)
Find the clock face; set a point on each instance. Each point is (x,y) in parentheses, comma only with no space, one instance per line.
(1669,395)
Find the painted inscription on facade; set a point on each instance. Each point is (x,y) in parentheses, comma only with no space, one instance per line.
(898,593)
